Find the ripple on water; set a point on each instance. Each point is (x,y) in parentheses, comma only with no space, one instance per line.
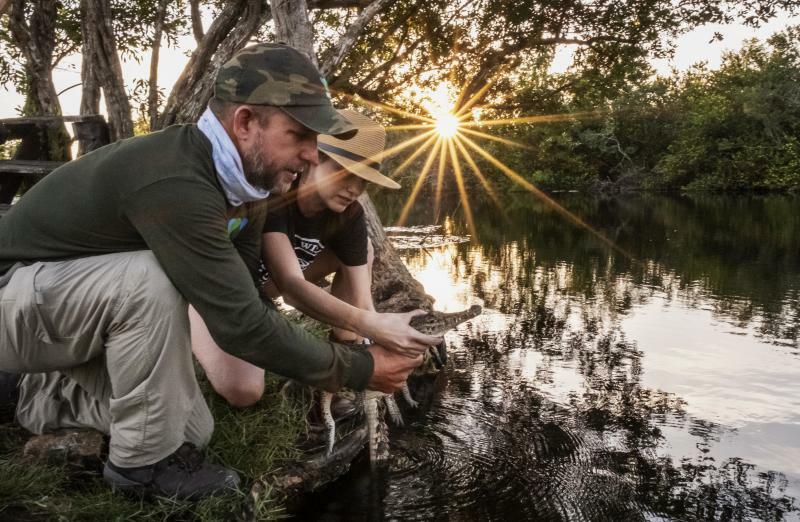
(537,469)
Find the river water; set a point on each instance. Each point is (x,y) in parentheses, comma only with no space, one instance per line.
(655,380)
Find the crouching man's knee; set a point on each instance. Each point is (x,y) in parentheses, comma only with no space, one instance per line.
(200,425)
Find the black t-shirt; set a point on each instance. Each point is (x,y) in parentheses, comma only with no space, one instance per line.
(344,233)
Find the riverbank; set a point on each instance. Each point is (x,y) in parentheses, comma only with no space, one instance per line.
(253,441)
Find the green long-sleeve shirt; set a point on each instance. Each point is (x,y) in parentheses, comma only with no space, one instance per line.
(160,192)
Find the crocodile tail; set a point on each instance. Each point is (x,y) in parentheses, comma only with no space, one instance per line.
(371,411)
(377,430)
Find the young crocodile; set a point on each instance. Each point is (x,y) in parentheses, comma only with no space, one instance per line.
(431,323)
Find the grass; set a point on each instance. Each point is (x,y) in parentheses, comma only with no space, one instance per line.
(253,441)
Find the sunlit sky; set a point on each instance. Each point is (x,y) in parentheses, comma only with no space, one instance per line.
(692,48)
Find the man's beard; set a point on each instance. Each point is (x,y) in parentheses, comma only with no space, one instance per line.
(259,172)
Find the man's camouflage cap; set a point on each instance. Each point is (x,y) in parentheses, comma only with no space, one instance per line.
(279,75)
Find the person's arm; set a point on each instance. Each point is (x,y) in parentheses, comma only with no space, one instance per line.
(389,330)
(184,223)
(236,380)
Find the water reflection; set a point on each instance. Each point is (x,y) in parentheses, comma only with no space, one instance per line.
(600,387)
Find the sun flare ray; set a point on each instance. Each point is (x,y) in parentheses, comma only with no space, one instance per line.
(504,141)
(411,126)
(464,108)
(440,179)
(385,107)
(400,146)
(462,192)
(478,174)
(420,180)
(541,195)
(544,118)
(413,156)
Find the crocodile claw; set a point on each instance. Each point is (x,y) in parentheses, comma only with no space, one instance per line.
(407,396)
(394,410)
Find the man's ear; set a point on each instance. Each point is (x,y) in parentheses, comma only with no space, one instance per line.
(244,123)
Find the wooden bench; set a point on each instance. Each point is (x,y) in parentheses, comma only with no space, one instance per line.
(30,161)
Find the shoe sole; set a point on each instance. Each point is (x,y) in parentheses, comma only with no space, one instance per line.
(125,485)
(121,483)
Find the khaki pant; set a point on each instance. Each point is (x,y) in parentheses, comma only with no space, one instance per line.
(105,342)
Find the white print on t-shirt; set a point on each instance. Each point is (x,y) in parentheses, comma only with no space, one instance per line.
(310,247)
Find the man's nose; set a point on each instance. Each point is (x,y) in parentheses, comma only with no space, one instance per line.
(309,152)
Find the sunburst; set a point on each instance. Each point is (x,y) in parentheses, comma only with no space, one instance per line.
(447,134)
(447,125)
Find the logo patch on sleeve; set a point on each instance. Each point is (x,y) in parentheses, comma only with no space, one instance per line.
(235,226)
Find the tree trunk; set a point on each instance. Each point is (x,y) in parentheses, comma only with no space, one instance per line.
(231,30)
(90,85)
(293,27)
(36,40)
(152,84)
(103,51)
(393,287)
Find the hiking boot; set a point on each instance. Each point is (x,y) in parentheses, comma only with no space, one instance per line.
(185,474)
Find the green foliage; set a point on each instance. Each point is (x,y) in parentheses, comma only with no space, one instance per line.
(252,441)
(735,128)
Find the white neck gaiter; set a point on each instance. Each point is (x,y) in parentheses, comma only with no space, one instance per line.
(228,163)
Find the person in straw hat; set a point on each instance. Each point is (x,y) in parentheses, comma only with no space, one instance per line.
(316,227)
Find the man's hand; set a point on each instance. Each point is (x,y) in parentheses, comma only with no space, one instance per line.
(390,369)
(392,331)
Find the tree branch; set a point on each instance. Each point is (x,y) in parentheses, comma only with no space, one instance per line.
(199,62)
(388,64)
(293,27)
(229,32)
(348,39)
(401,22)
(337,4)
(197,22)
(152,87)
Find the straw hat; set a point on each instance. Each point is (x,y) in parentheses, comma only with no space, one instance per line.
(361,154)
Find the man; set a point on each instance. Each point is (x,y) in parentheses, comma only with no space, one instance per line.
(100,260)
(316,229)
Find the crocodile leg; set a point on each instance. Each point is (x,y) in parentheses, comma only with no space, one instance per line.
(330,424)
(407,396)
(394,411)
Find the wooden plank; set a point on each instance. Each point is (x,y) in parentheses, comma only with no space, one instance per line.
(28,167)
(41,120)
